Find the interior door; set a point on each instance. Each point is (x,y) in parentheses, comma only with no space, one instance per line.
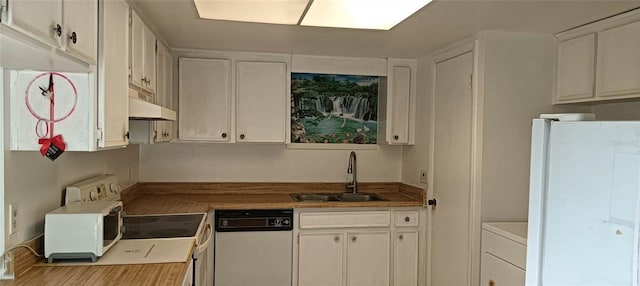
(450,245)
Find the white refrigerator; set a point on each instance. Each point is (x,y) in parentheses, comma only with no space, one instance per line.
(583,205)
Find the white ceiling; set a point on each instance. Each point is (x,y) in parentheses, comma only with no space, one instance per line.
(433,27)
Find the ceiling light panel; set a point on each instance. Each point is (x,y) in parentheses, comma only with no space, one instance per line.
(260,11)
(361,14)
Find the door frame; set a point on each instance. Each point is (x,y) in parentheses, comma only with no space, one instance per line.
(471,44)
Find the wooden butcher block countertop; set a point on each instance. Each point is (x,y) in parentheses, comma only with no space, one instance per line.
(148,197)
(163,198)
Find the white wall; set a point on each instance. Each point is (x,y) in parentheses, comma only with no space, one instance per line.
(36,184)
(192,162)
(617,111)
(417,157)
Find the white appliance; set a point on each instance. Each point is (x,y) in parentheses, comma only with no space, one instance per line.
(100,188)
(158,228)
(253,247)
(153,232)
(82,230)
(583,206)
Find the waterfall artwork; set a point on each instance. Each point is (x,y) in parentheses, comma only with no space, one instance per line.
(331,108)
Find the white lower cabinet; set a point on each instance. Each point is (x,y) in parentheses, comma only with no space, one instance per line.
(368,258)
(504,251)
(372,249)
(497,272)
(405,258)
(320,258)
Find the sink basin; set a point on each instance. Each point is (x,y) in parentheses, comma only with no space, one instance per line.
(360,197)
(304,197)
(344,197)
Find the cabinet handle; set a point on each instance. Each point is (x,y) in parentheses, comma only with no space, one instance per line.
(224,134)
(241,136)
(126,135)
(57,29)
(155,135)
(492,283)
(407,219)
(353,238)
(401,237)
(74,38)
(336,239)
(396,137)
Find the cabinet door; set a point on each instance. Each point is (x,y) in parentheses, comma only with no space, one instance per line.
(405,258)
(149,59)
(113,84)
(368,258)
(497,272)
(137,41)
(619,61)
(261,102)
(204,99)
(38,18)
(400,95)
(81,25)
(575,68)
(320,259)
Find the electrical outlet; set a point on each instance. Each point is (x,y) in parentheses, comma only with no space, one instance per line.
(423,176)
(13,219)
(7,266)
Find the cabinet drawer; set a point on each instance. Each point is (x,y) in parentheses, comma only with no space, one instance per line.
(506,249)
(406,218)
(345,219)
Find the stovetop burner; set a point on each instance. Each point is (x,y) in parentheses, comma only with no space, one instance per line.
(161,226)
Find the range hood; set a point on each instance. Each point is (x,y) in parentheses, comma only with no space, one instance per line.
(144,110)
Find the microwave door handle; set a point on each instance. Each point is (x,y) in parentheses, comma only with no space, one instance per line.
(203,246)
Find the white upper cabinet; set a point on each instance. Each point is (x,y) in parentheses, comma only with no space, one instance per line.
(397,102)
(599,61)
(233,98)
(204,99)
(164,92)
(69,25)
(261,102)
(137,41)
(80,28)
(39,19)
(619,60)
(143,51)
(575,67)
(113,83)
(149,59)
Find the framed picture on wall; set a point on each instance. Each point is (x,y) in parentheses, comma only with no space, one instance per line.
(334,109)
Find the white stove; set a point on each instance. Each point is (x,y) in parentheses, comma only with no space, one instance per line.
(151,231)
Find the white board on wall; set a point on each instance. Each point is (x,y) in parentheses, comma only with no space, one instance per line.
(74,109)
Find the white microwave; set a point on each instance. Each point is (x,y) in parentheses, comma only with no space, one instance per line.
(82,230)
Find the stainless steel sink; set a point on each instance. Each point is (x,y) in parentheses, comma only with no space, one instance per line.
(309,197)
(344,197)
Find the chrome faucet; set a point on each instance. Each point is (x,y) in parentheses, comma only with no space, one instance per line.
(351,169)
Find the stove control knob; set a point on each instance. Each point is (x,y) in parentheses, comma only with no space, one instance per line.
(93,195)
(114,189)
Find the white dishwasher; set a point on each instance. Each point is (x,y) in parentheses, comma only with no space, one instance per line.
(253,247)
